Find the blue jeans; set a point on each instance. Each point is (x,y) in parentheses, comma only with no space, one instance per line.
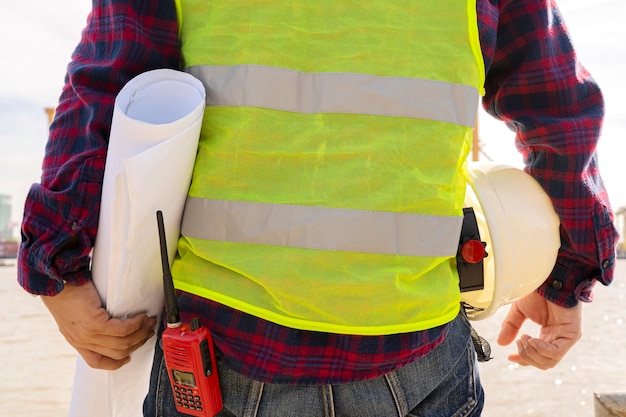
(444,383)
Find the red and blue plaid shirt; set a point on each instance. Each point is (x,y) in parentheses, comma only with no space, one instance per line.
(534,83)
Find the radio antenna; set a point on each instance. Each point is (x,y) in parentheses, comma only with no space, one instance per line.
(171,305)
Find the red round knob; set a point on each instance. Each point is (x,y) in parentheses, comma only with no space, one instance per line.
(473,251)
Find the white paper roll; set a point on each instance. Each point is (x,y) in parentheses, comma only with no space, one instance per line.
(152,148)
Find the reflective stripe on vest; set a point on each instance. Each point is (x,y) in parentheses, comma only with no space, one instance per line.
(266,87)
(321,228)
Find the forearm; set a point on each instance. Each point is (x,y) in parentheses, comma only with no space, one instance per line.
(538,87)
(121,40)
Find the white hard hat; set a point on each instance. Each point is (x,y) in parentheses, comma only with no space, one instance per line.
(517,221)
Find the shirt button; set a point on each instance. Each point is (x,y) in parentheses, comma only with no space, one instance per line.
(557,285)
(606,263)
(74,225)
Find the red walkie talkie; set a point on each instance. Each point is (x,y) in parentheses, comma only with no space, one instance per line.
(188,350)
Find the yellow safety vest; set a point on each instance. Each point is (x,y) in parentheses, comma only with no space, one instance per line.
(329,181)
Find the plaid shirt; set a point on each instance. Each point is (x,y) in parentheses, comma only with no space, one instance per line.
(534,83)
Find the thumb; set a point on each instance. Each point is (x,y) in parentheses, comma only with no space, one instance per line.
(511,326)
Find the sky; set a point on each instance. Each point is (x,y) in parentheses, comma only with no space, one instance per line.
(37,38)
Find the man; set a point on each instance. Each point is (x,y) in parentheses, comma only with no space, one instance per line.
(377,330)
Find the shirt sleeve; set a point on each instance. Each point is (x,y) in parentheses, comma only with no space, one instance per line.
(536,85)
(121,40)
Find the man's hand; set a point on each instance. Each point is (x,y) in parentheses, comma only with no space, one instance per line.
(102,341)
(560,330)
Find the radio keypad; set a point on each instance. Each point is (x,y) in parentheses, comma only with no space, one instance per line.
(186,398)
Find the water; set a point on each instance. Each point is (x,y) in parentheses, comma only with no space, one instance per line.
(38,364)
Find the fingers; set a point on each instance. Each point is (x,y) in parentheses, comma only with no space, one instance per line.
(97,361)
(121,333)
(540,354)
(118,339)
(104,342)
(102,357)
(510,326)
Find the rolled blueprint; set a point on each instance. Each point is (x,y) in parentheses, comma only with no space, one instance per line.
(152,147)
